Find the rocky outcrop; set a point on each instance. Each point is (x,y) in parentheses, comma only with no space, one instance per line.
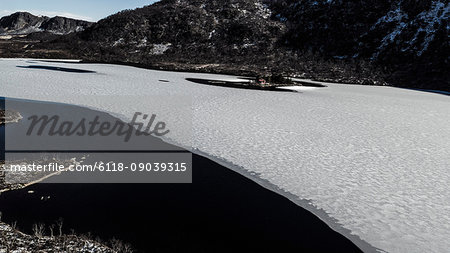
(9,116)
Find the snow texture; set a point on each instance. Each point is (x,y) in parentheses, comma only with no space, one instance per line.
(375,159)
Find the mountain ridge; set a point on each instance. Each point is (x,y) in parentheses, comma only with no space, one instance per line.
(24,23)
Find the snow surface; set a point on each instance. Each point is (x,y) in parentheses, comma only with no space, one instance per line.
(375,159)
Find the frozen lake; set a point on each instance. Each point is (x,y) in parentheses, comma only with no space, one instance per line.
(375,159)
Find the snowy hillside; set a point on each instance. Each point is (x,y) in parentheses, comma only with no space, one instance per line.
(414,31)
(408,37)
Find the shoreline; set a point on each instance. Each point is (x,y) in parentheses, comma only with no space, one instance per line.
(303,203)
(193,68)
(226,208)
(264,185)
(37,181)
(310,82)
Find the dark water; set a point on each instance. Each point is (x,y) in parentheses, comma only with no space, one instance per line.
(221,211)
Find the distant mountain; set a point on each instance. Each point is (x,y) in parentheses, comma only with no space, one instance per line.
(24,23)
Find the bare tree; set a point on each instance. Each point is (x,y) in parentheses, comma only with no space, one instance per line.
(127,249)
(60,223)
(51,227)
(38,230)
(14,225)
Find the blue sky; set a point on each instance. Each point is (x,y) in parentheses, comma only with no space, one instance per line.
(91,10)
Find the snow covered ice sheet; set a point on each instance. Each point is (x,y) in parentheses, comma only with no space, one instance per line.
(375,159)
